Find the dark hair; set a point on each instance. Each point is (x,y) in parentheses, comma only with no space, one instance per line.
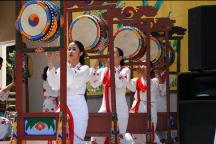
(121,53)
(152,73)
(44,75)
(81,48)
(1,60)
(85,95)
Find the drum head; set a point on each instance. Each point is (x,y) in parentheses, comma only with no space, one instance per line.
(155,51)
(162,63)
(130,40)
(34,20)
(85,29)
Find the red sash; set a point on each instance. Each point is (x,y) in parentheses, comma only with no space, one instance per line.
(50,142)
(107,140)
(139,87)
(71,124)
(106,84)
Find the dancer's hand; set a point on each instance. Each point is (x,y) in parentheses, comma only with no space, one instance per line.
(96,64)
(158,74)
(50,56)
(57,54)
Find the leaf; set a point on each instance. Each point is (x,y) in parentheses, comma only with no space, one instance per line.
(144,2)
(158,4)
(119,26)
(118,3)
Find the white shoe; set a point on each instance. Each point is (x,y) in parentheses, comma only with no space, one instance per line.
(129,139)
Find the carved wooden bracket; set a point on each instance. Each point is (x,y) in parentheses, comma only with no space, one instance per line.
(148,11)
(86,3)
(176,30)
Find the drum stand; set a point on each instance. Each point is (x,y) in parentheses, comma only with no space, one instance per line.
(23,116)
(166,120)
(147,26)
(138,122)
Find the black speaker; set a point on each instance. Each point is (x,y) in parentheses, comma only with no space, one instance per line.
(197,107)
(201,38)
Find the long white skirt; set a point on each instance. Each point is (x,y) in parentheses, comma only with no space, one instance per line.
(122,114)
(141,138)
(121,109)
(78,107)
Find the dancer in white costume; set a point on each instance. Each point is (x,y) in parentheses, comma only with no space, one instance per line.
(5,124)
(162,104)
(139,86)
(161,101)
(77,77)
(161,98)
(50,96)
(5,91)
(122,77)
(5,128)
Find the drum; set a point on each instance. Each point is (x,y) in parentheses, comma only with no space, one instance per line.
(38,20)
(156,52)
(5,128)
(54,31)
(91,31)
(131,40)
(162,63)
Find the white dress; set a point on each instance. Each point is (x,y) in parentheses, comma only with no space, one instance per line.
(155,91)
(77,78)
(122,77)
(50,98)
(161,98)
(5,127)
(4,123)
(3,95)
